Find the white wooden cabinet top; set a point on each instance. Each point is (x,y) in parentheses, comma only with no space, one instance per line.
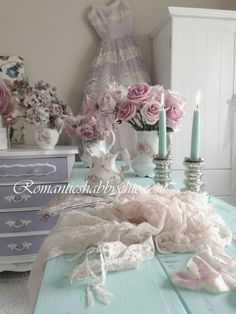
(32,151)
(194,12)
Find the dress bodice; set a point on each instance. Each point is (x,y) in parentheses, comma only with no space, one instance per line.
(112,21)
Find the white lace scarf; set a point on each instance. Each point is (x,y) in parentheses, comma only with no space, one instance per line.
(122,235)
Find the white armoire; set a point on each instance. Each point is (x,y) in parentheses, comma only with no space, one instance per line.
(195,49)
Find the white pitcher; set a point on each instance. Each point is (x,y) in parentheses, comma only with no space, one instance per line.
(104,174)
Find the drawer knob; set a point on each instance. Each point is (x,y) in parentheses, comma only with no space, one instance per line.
(19,247)
(22,223)
(37,170)
(13,198)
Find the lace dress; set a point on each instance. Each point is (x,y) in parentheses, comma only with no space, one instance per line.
(118,57)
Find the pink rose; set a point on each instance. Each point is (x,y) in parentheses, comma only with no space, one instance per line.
(157,91)
(56,110)
(139,93)
(151,111)
(89,104)
(6,105)
(118,92)
(174,116)
(70,130)
(9,110)
(87,131)
(106,102)
(127,111)
(174,99)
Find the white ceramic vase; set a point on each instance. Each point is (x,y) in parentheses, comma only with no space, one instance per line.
(46,138)
(147,146)
(94,148)
(104,172)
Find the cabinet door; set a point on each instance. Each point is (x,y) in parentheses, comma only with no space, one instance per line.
(203,58)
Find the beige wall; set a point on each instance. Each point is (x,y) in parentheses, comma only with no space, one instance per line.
(58,43)
(228,4)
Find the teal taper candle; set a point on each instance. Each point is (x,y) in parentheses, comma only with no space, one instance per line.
(195,143)
(162,129)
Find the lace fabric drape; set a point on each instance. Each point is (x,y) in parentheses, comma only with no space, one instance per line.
(122,234)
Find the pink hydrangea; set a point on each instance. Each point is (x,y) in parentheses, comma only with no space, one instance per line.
(151,111)
(139,93)
(127,111)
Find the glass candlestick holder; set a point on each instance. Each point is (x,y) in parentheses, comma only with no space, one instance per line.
(193,176)
(162,170)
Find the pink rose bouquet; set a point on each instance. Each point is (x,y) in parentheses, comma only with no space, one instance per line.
(139,105)
(88,129)
(142,104)
(103,107)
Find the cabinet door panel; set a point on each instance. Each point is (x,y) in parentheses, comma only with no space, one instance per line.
(203,58)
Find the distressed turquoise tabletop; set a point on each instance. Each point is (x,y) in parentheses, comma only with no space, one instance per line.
(202,301)
(146,290)
(79,172)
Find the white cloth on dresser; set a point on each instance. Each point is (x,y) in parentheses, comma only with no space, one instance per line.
(121,235)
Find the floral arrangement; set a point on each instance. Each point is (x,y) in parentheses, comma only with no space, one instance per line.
(139,105)
(42,107)
(87,128)
(7,103)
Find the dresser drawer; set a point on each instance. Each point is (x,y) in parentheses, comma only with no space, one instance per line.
(28,196)
(24,245)
(37,169)
(24,221)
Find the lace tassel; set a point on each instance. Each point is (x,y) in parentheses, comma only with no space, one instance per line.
(90,298)
(104,295)
(96,282)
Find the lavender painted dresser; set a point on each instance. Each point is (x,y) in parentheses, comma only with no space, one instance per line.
(29,178)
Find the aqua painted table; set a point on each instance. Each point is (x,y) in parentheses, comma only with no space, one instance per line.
(146,290)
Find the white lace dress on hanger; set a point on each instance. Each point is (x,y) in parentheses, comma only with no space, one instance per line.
(118,57)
